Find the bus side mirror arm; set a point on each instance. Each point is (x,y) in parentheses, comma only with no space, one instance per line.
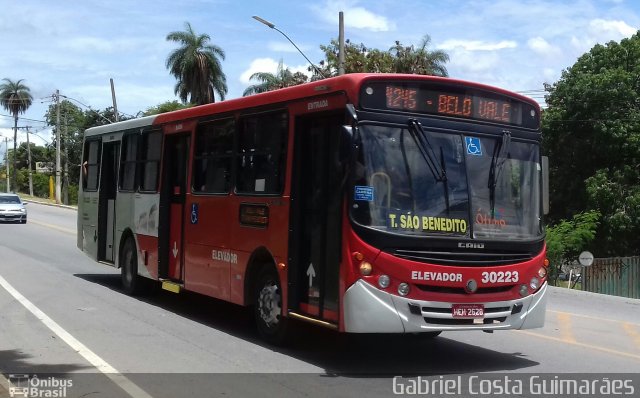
(346,143)
(351,111)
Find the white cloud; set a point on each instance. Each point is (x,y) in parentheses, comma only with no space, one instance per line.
(477,45)
(611,28)
(543,47)
(258,65)
(355,16)
(475,66)
(268,65)
(5,132)
(602,31)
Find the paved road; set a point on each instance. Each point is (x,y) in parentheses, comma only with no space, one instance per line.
(168,345)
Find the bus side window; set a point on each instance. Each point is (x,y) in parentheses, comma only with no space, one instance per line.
(91,165)
(150,162)
(261,156)
(129,162)
(212,157)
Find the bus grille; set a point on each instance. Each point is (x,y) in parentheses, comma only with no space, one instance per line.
(461,290)
(463,259)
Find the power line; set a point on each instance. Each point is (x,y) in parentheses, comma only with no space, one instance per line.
(24,118)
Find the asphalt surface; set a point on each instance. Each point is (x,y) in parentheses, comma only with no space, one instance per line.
(85,329)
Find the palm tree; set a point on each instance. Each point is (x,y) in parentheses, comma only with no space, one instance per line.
(196,66)
(419,61)
(15,99)
(269,81)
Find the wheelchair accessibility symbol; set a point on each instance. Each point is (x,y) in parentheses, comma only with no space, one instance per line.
(194,213)
(473,146)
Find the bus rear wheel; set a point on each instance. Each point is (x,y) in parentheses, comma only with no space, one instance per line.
(129,268)
(272,326)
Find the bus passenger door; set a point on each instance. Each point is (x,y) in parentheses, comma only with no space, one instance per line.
(315,240)
(172,204)
(107,201)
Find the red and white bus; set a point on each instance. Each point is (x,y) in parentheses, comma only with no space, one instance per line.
(366,203)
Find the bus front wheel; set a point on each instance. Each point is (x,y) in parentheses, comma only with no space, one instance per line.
(272,326)
(129,268)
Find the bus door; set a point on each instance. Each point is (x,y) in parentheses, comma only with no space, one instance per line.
(315,240)
(172,204)
(107,200)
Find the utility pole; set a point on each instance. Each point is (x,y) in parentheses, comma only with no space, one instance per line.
(341,44)
(113,98)
(58,139)
(26,128)
(29,162)
(65,182)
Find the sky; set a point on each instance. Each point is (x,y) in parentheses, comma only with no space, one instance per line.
(76,46)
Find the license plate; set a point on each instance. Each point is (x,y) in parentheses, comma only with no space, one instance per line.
(469,311)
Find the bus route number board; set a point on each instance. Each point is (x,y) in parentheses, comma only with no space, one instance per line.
(467,311)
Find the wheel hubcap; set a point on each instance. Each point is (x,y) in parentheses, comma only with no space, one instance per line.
(269,304)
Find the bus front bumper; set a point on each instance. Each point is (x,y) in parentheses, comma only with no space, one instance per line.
(368,309)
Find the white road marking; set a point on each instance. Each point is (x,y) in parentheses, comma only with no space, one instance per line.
(122,381)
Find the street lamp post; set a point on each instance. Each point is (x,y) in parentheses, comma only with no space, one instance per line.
(272,26)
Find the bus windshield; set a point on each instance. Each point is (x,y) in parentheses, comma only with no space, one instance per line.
(467,186)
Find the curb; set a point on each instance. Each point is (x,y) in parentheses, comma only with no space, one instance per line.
(50,204)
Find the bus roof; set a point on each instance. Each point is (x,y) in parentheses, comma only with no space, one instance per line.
(349,83)
(119,126)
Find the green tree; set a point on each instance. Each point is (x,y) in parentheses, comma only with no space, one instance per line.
(398,59)
(16,98)
(591,133)
(357,59)
(273,81)
(73,122)
(419,61)
(38,154)
(196,66)
(616,193)
(168,106)
(568,238)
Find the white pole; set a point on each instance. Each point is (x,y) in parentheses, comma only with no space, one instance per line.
(29,164)
(6,162)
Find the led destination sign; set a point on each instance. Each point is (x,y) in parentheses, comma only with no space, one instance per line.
(454,101)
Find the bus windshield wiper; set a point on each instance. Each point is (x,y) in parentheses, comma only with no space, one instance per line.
(426,150)
(497,163)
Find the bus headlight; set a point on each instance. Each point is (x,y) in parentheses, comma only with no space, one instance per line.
(542,272)
(535,283)
(383,281)
(403,289)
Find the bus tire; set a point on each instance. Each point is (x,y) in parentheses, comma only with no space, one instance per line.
(267,306)
(131,282)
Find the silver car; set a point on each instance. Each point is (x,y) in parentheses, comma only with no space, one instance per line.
(12,208)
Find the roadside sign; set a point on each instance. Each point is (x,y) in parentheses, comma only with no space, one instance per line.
(585,258)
